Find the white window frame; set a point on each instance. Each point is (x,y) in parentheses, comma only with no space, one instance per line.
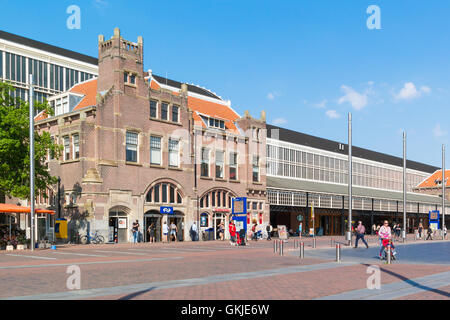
(73,146)
(160,150)
(177,152)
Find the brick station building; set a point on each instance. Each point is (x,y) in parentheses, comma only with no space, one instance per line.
(134,142)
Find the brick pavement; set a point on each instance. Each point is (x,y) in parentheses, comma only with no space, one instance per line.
(310,285)
(195,260)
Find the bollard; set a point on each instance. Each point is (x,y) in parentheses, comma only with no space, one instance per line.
(302,250)
(281,247)
(314,242)
(331,242)
(388,254)
(338,252)
(275,246)
(295,243)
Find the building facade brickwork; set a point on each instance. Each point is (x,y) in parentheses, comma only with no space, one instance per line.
(121,162)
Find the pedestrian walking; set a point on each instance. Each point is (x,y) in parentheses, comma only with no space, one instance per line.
(398,230)
(429,234)
(374,229)
(165,229)
(420,230)
(193,232)
(384,234)
(221,231)
(360,231)
(135,230)
(232,229)
(151,232)
(254,234)
(269,231)
(173,231)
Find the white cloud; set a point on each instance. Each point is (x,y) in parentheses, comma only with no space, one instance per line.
(100,3)
(425,89)
(356,99)
(438,131)
(321,105)
(332,114)
(270,96)
(410,92)
(279,121)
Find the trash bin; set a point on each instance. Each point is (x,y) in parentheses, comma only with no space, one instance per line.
(208,234)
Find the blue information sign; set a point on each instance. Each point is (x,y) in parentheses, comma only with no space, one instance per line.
(239,213)
(434,219)
(166,210)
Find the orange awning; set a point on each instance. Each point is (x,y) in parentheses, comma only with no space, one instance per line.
(12,208)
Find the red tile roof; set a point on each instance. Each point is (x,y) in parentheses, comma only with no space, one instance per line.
(89,90)
(430,182)
(207,107)
(214,110)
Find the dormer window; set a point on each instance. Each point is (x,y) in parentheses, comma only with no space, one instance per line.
(213,122)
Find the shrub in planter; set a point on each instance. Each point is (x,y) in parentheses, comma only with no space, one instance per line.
(23,242)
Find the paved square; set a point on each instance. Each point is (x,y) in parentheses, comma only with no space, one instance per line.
(218,271)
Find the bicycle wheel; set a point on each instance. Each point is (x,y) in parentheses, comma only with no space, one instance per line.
(99,239)
(83,239)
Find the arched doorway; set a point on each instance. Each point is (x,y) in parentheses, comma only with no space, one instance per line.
(118,224)
(178,219)
(152,216)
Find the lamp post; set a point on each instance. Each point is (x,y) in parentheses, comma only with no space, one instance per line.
(59,197)
(404,187)
(32,161)
(444,182)
(349,231)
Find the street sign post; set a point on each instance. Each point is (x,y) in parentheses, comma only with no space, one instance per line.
(239,213)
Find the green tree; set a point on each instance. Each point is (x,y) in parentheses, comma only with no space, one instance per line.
(15,147)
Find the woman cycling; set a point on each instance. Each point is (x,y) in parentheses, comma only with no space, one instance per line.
(385,234)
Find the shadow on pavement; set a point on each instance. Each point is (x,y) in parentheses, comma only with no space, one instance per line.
(413,283)
(135,294)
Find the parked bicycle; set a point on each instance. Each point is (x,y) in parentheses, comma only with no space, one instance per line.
(95,238)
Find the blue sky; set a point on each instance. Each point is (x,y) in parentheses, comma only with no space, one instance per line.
(306,62)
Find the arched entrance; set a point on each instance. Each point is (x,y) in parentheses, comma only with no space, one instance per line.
(152,216)
(118,224)
(178,219)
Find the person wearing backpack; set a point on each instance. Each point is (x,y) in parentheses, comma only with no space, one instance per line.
(254,234)
(193,232)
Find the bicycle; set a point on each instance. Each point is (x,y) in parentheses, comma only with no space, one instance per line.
(96,238)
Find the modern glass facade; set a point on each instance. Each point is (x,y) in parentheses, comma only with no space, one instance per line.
(304,163)
(48,78)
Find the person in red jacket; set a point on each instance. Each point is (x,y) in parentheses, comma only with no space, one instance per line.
(232,229)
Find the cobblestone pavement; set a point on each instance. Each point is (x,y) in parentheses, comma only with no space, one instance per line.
(214,270)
